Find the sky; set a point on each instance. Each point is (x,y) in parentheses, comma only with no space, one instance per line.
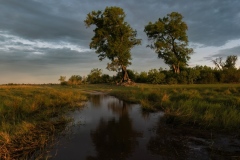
(41,40)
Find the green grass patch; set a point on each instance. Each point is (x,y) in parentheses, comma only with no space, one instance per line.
(208,106)
(31,115)
(29,111)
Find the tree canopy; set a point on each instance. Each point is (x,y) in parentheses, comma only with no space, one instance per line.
(94,76)
(169,40)
(231,62)
(228,64)
(75,80)
(113,37)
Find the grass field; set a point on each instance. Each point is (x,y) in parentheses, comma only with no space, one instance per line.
(30,116)
(208,106)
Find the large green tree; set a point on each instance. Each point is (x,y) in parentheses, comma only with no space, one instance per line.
(113,39)
(169,40)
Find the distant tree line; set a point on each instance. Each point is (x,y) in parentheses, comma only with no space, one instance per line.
(73,80)
(226,73)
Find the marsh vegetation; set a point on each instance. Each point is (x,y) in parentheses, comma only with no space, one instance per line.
(30,116)
(208,106)
(115,129)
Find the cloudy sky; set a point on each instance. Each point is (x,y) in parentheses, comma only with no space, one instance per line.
(43,39)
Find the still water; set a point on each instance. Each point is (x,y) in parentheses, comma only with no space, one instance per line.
(110,129)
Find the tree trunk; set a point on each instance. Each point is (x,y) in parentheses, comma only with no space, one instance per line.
(176,68)
(125,77)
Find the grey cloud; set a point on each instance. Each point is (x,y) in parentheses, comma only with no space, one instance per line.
(61,56)
(51,64)
(67,56)
(210,23)
(35,20)
(63,20)
(227,52)
(224,53)
(209,58)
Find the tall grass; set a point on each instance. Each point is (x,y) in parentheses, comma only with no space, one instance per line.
(215,107)
(31,116)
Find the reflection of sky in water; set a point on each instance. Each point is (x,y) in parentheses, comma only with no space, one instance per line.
(112,128)
(105,116)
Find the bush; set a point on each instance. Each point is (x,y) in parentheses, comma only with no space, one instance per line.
(156,77)
(64,83)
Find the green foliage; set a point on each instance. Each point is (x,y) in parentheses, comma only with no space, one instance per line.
(192,75)
(142,77)
(228,64)
(207,75)
(105,78)
(113,37)
(62,80)
(230,75)
(131,74)
(182,77)
(64,83)
(153,96)
(31,115)
(156,77)
(75,80)
(172,80)
(95,76)
(214,107)
(169,40)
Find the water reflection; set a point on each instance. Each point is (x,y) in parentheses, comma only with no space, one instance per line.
(116,130)
(119,107)
(115,138)
(96,99)
(167,144)
(190,143)
(112,129)
(145,114)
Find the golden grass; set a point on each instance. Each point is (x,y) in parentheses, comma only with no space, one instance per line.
(31,116)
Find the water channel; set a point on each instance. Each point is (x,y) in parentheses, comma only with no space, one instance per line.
(110,129)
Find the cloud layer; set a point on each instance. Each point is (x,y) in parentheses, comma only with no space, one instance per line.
(42,39)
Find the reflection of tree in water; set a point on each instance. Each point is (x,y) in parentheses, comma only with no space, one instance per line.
(145,114)
(119,107)
(168,143)
(115,139)
(96,99)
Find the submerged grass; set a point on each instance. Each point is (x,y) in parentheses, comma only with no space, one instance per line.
(30,116)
